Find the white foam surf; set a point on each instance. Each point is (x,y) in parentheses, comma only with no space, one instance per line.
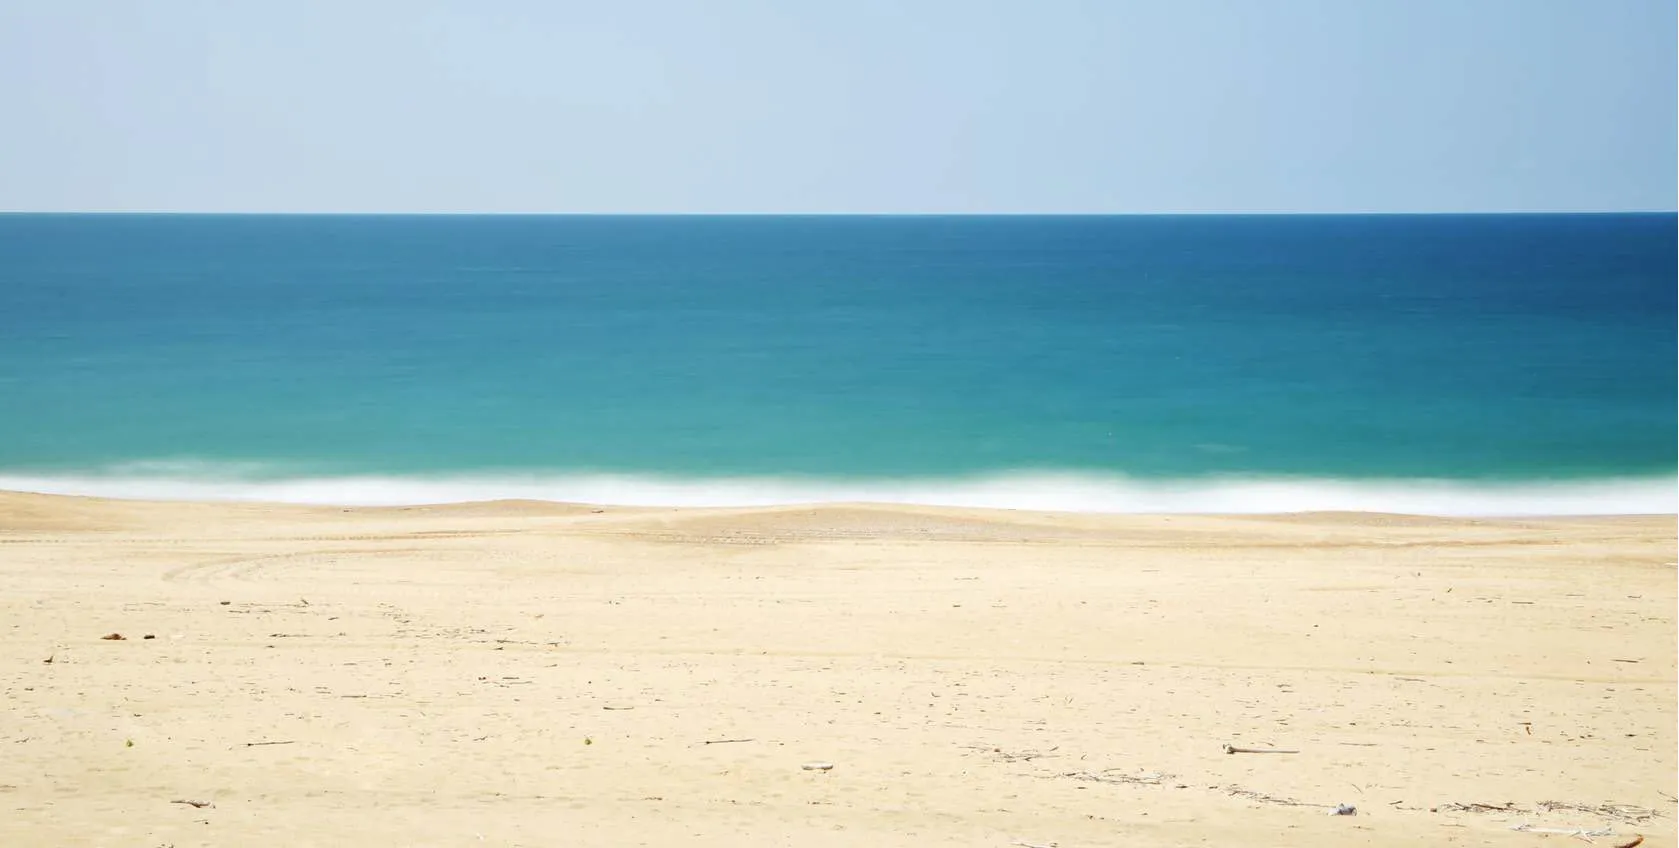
(1036,491)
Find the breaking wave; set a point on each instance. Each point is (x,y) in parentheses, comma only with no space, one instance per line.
(1072,492)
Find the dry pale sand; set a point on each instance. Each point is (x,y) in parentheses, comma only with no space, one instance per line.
(530,674)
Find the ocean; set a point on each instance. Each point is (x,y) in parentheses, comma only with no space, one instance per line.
(1442,364)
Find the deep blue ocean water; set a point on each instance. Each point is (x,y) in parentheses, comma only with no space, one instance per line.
(1457,364)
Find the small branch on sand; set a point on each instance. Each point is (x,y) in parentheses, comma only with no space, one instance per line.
(1563,831)
(1624,813)
(257,744)
(191,803)
(1628,813)
(1033,844)
(1013,756)
(1107,776)
(1263,798)
(1232,749)
(1454,807)
(725,741)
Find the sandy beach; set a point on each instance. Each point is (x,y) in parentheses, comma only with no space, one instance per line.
(533,674)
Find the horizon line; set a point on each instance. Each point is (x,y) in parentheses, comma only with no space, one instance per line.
(526,214)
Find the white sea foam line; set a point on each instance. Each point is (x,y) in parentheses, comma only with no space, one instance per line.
(1060,492)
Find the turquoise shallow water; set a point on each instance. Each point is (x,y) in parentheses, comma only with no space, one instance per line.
(1421,363)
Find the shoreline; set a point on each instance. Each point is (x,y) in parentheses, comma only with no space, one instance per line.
(1086,493)
(15,498)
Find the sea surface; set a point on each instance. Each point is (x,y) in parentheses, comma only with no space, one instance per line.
(1496,364)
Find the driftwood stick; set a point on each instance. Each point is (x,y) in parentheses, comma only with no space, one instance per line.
(284,742)
(1629,813)
(1232,749)
(1577,833)
(191,803)
(1475,807)
(725,741)
(1263,798)
(1107,776)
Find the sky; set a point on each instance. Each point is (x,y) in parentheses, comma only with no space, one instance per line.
(861,106)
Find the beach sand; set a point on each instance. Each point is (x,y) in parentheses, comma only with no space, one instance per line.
(535,674)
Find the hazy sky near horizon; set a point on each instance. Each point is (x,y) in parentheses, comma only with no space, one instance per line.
(963,106)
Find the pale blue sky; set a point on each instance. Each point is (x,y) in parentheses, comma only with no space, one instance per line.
(841,106)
